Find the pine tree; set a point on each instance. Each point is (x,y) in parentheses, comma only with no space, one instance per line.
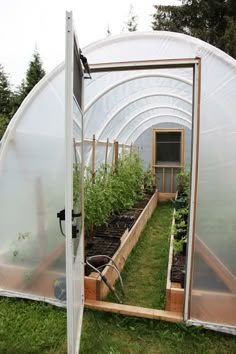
(5,94)
(34,74)
(132,20)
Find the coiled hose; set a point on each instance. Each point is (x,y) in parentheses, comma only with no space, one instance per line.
(102,257)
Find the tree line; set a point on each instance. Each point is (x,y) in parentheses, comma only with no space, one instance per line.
(11,99)
(213,21)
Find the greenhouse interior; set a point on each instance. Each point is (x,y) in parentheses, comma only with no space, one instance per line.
(169,97)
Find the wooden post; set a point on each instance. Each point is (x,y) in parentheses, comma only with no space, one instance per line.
(131,149)
(106,154)
(116,154)
(93,157)
(171,180)
(163,180)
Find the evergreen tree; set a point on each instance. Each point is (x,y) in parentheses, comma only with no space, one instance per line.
(5,94)
(213,21)
(10,101)
(18,96)
(34,74)
(132,20)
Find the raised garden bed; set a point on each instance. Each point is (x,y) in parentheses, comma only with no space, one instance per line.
(174,292)
(137,217)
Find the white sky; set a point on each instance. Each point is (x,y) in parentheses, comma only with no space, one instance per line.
(26,24)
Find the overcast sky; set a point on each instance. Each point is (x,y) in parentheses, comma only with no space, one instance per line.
(29,24)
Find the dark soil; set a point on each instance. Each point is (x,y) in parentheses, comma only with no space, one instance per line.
(105,239)
(178,265)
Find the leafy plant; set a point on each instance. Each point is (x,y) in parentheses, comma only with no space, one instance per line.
(178,245)
(183,182)
(181,215)
(111,192)
(148,181)
(180,228)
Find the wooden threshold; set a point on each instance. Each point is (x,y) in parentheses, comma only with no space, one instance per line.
(134,311)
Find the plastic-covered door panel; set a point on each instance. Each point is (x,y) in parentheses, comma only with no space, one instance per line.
(73,188)
(210,295)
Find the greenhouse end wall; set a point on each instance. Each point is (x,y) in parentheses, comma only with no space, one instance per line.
(31,161)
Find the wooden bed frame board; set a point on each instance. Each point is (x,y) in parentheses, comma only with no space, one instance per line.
(136,311)
(174,294)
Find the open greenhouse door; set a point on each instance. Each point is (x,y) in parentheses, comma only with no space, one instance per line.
(74,226)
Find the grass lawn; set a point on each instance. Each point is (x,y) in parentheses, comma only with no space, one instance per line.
(145,271)
(28,327)
(105,333)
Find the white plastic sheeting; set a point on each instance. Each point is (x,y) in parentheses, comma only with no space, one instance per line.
(121,106)
(32,192)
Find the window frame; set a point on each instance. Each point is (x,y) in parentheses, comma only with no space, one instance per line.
(182,147)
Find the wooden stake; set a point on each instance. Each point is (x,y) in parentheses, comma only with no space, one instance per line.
(163,180)
(106,154)
(116,154)
(171,180)
(93,157)
(131,149)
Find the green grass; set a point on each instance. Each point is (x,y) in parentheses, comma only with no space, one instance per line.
(28,327)
(145,271)
(105,333)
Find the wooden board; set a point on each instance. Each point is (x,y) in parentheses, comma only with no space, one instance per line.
(164,197)
(92,286)
(174,294)
(134,311)
(175,300)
